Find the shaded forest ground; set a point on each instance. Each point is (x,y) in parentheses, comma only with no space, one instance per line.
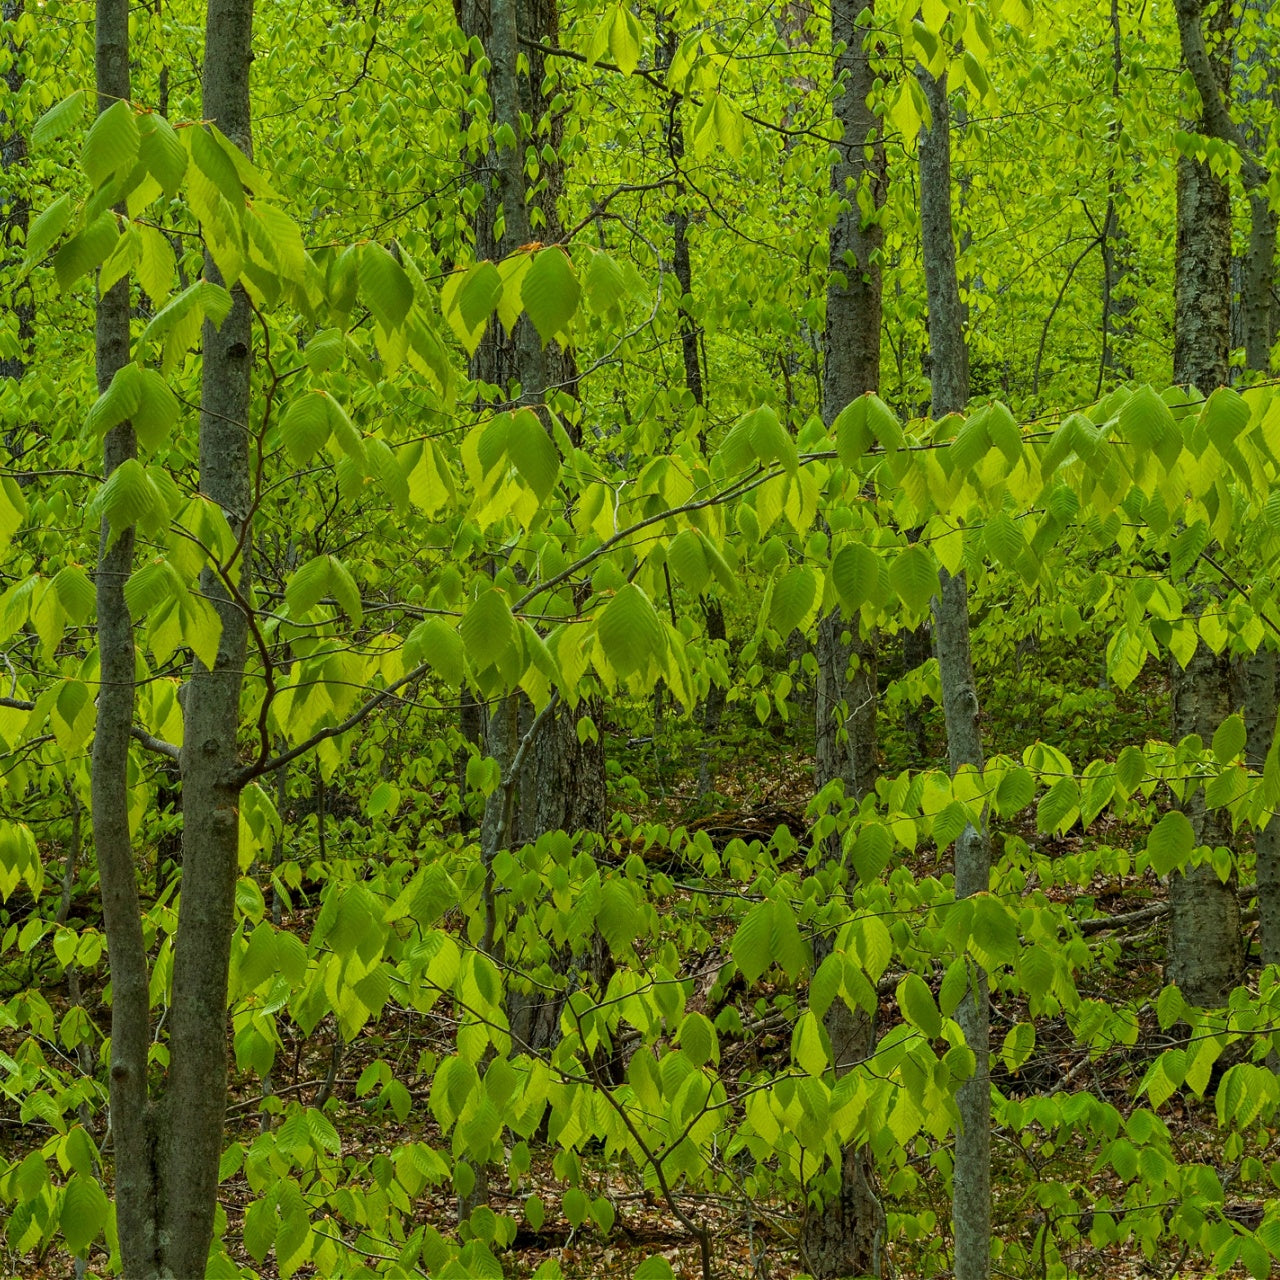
(762,779)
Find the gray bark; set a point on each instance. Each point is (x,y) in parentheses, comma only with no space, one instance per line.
(845,1236)
(1117,254)
(15,217)
(1258,275)
(131,1117)
(1260,680)
(1205,954)
(949,376)
(196,1094)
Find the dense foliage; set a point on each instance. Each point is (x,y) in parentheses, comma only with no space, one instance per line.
(642,553)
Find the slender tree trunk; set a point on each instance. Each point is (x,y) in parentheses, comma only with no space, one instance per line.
(197,1086)
(1117,254)
(949,373)
(1205,953)
(846,1236)
(15,218)
(131,1116)
(1260,693)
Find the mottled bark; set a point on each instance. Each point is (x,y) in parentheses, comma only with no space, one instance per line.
(15,218)
(846,1234)
(131,1116)
(195,1098)
(1260,691)
(1118,298)
(1206,953)
(949,376)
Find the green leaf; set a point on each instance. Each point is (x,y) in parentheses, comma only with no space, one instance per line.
(750,947)
(630,631)
(603,283)
(533,453)
(436,642)
(84,1212)
(795,596)
(46,229)
(488,630)
(479,293)
(305,425)
(307,586)
(127,498)
(160,149)
(384,286)
(993,934)
(687,557)
(918,1007)
(112,144)
(343,588)
(1228,740)
(618,918)
(914,576)
(1014,791)
(550,293)
(855,570)
(1171,841)
(861,423)
(60,117)
(86,250)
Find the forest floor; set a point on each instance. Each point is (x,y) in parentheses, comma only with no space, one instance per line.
(748,1242)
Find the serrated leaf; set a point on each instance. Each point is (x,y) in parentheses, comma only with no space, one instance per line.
(84,1212)
(305,426)
(1228,739)
(384,286)
(918,1007)
(550,293)
(59,119)
(156,263)
(687,558)
(478,294)
(342,586)
(46,229)
(630,631)
(603,283)
(750,947)
(160,149)
(436,642)
(307,586)
(855,571)
(795,596)
(112,143)
(1171,841)
(533,453)
(914,576)
(86,250)
(488,630)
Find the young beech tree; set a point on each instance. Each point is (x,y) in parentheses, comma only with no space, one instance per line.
(1206,955)
(846,1235)
(949,378)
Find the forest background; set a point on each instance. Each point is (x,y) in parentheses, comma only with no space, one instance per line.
(639,640)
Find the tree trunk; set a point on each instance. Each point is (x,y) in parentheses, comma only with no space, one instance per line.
(949,376)
(131,1116)
(15,218)
(1117,254)
(845,1236)
(1204,945)
(195,1098)
(1205,948)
